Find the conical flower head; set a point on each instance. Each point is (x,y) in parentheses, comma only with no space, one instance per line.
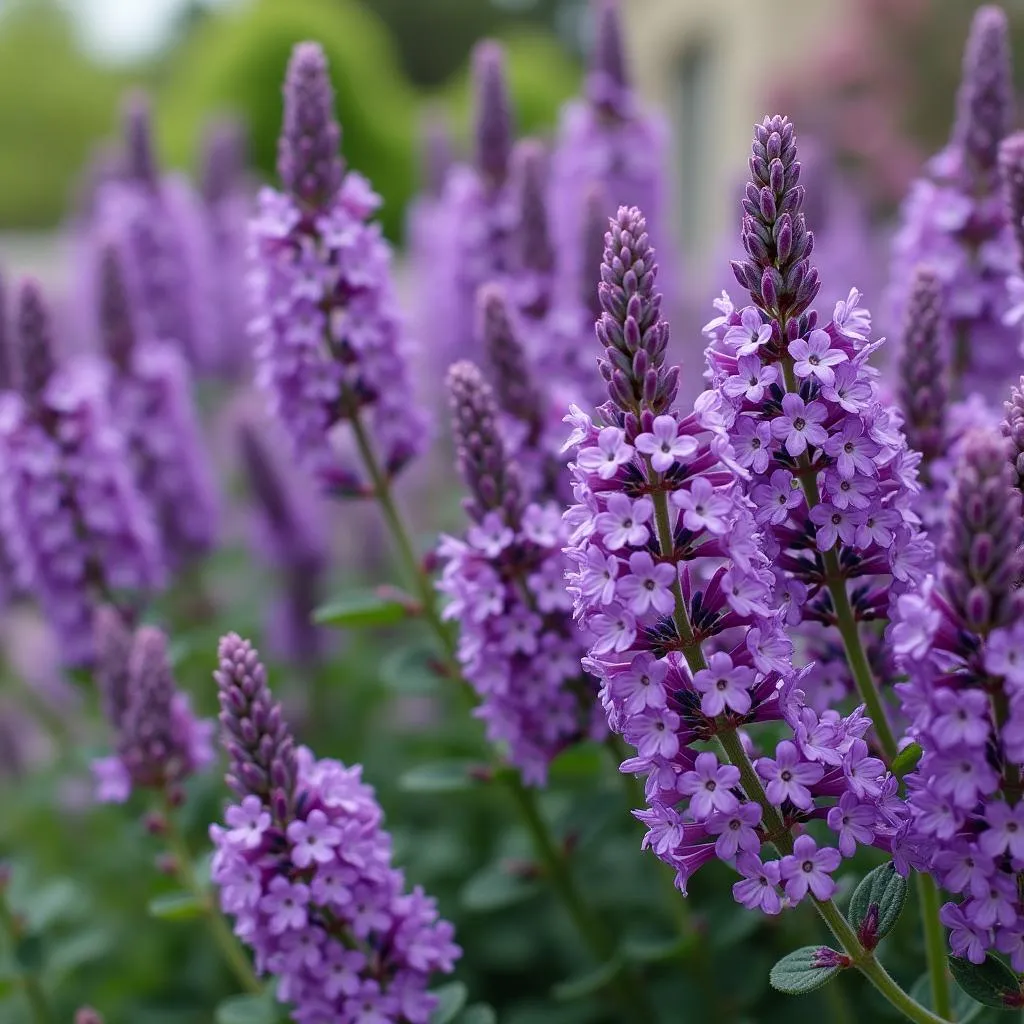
(35,337)
(535,255)
(308,159)
(117,331)
(1013,431)
(607,82)
(985,98)
(1011,167)
(137,126)
(111,671)
(493,113)
(223,160)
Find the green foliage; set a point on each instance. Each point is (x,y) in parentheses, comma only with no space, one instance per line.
(886,891)
(54,105)
(906,760)
(990,983)
(355,610)
(450,999)
(800,971)
(235,62)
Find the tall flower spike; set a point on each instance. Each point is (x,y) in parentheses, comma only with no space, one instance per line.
(961,643)
(160,743)
(78,530)
(631,328)
(291,539)
(534,260)
(260,747)
(149,391)
(1013,430)
(591,247)
(922,369)
(331,349)
(436,152)
(308,161)
(518,646)
(310,868)
(1011,166)
(607,82)
(492,480)
(985,99)
(7,367)
(140,162)
(492,114)
(223,161)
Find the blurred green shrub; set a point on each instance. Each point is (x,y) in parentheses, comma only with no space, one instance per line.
(234,63)
(54,104)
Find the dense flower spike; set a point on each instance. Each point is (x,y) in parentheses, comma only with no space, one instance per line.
(149,391)
(1011,167)
(1013,430)
(518,645)
(331,350)
(606,140)
(955,220)
(827,468)
(157,224)
(307,873)
(961,643)
(78,530)
(922,394)
(533,260)
(289,535)
(159,741)
(671,578)
(225,195)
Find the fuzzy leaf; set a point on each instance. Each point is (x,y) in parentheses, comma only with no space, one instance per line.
(587,984)
(439,777)
(450,999)
(358,610)
(882,888)
(991,983)
(494,888)
(177,906)
(247,1009)
(906,760)
(801,971)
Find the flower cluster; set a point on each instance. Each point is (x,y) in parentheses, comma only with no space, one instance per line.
(671,578)
(304,866)
(160,743)
(518,645)
(825,462)
(955,220)
(78,530)
(149,387)
(961,642)
(331,352)
(606,140)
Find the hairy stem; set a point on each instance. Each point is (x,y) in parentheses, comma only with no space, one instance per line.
(934,945)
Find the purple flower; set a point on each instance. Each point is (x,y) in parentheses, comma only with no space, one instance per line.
(853,821)
(788,776)
(815,357)
(305,869)
(664,445)
(808,869)
(800,424)
(723,685)
(758,890)
(709,785)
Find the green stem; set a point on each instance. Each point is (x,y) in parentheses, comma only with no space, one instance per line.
(550,853)
(934,946)
(33,989)
(634,998)
(222,934)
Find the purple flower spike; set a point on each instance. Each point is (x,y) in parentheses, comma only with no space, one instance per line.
(518,646)
(923,392)
(985,100)
(436,152)
(139,160)
(223,161)
(309,869)
(79,532)
(331,346)
(591,247)
(308,161)
(534,260)
(1013,430)
(149,391)
(1011,166)
(159,741)
(8,376)
(493,114)
(607,82)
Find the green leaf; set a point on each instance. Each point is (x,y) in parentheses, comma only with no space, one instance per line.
(882,888)
(579,761)
(439,777)
(495,888)
(906,760)
(965,1009)
(30,954)
(408,670)
(653,950)
(177,906)
(991,983)
(358,610)
(587,984)
(801,971)
(62,898)
(450,999)
(478,1013)
(247,1009)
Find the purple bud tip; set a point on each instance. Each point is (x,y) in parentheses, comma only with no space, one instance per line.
(437,152)
(482,460)
(113,651)
(117,332)
(263,478)
(493,117)
(608,85)
(308,160)
(985,98)
(35,336)
(536,252)
(1011,168)
(140,160)
(223,162)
